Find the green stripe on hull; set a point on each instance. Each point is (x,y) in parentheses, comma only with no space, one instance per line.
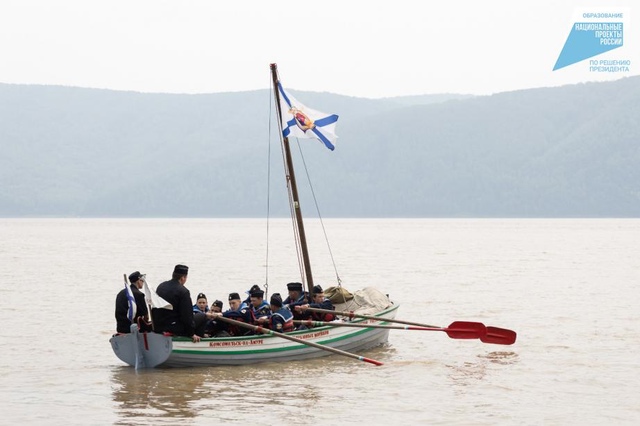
(291,346)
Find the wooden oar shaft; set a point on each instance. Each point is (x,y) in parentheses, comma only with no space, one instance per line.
(263,330)
(457,329)
(351,314)
(311,323)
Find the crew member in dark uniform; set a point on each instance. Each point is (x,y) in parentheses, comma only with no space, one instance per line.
(259,307)
(237,311)
(281,319)
(123,325)
(318,301)
(247,302)
(181,320)
(296,297)
(216,306)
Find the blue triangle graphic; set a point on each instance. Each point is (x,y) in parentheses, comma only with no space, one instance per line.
(581,45)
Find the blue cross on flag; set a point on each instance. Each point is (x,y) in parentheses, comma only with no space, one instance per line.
(133,308)
(303,122)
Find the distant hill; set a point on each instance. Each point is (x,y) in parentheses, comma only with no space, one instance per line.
(571,151)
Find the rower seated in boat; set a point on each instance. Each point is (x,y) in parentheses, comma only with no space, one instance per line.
(280,319)
(297,297)
(217,306)
(201,305)
(236,312)
(247,302)
(259,307)
(318,301)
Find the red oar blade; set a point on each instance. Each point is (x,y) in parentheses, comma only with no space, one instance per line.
(370,361)
(466,330)
(499,336)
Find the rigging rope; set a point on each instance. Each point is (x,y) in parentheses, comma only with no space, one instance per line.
(296,232)
(315,201)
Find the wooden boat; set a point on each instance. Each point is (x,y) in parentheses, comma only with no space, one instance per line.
(145,350)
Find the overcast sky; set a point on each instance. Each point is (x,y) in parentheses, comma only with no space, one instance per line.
(357,48)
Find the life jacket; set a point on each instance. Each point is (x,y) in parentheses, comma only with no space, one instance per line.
(284,318)
(243,315)
(264,310)
(319,316)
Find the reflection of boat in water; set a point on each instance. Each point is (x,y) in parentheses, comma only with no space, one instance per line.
(145,396)
(150,349)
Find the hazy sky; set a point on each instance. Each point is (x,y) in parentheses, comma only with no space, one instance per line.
(358,48)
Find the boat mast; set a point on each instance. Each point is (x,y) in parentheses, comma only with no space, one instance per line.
(293,188)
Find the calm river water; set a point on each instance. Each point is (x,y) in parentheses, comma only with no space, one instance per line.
(570,288)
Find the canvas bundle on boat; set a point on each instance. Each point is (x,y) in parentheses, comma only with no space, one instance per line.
(338,295)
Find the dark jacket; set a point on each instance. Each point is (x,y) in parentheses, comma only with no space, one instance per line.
(123,325)
(327,306)
(244,315)
(178,321)
(303,299)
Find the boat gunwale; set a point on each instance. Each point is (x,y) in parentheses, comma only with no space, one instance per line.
(289,346)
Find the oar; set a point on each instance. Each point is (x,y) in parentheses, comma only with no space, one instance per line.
(456,330)
(495,335)
(351,315)
(499,336)
(263,330)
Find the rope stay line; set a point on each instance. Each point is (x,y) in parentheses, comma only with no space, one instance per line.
(315,201)
(296,234)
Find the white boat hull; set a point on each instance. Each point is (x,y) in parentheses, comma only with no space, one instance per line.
(247,349)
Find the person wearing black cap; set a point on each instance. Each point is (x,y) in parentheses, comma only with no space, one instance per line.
(217,306)
(281,318)
(247,302)
(318,301)
(234,302)
(123,325)
(212,328)
(181,320)
(296,297)
(201,304)
(236,312)
(259,307)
